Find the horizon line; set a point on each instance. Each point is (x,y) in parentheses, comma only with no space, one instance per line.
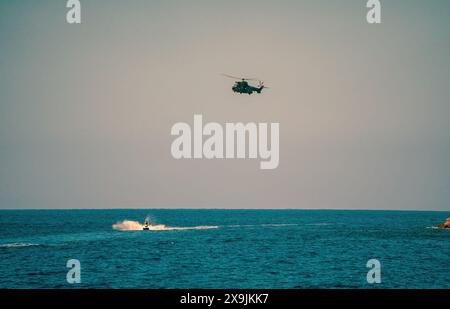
(317,209)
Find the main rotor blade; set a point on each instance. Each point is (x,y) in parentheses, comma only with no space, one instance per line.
(239,78)
(229,76)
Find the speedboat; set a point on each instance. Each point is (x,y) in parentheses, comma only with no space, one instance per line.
(146,226)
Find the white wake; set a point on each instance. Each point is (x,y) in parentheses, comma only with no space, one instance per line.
(128,225)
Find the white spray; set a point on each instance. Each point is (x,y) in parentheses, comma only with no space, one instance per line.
(127,225)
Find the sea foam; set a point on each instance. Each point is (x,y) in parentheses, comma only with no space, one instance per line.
(17,245)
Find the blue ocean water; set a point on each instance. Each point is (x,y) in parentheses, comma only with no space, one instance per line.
(241,249)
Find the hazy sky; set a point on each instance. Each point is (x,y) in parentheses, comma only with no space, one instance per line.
(86,110)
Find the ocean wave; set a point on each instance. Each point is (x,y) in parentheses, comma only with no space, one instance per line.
(128,225)
(261,225)
(18,245)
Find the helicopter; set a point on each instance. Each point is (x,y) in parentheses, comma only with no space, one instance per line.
(242,86)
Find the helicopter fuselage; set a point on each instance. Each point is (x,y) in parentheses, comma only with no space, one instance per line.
(243,87)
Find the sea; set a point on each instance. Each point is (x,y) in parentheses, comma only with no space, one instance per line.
(223,249)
